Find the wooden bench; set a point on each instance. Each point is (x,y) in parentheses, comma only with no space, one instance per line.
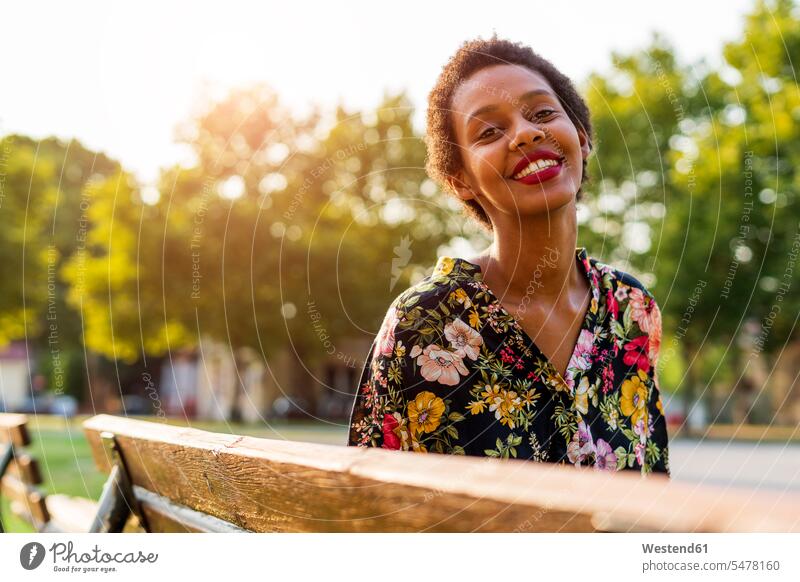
(173,479)
(20,477)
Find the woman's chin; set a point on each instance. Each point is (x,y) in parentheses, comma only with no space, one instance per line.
(543,201)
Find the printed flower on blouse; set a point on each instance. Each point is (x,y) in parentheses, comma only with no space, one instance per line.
(384,345)
(582,356)
(583,394)
(425,412)
(445,266)
(633,402)
(639,450)
(439,365)
(395,432)
(642,310)
(655,332)
(460,296)
(449,330)
(636,352)
(605,459)
(504,406)
(464,340)
(581,447)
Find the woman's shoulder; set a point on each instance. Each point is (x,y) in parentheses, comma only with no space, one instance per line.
(452,279)
(430,308)
(448,293)
(615,279)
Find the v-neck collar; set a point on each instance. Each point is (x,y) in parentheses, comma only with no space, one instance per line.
(461,267)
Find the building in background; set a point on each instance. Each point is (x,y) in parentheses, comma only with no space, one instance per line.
(15,374)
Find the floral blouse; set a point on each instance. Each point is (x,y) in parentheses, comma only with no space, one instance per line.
(451,371)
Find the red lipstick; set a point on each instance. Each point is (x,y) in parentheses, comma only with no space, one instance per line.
(544,173)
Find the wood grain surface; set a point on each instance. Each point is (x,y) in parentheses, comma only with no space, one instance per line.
(13,429)
(273,485)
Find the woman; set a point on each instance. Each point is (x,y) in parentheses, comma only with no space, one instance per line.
(531,350)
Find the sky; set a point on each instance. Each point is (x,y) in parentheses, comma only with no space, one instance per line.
(119,76)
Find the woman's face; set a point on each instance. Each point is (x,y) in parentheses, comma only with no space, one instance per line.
(520,151)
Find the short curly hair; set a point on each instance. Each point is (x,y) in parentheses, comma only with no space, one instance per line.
(443,155)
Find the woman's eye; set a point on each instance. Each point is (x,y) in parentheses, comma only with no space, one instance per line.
(487,133)
(542,113)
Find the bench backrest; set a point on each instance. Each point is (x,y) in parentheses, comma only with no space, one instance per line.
(191,480)
(19,472)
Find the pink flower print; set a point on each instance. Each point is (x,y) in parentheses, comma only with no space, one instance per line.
(642,310)
(385,342)
(638,450)
(655,332)
(581,447)
(440,365)
(642,430)
(582,356)
(621,294)
(465,341)
(608,379)
(605,459)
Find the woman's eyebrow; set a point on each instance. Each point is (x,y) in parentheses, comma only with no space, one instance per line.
(494,107)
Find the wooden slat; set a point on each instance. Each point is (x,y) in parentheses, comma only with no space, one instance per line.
(162,522)
(25,468)
(272,485)
(13,429)
(70,514)
(167,517)
(26,501)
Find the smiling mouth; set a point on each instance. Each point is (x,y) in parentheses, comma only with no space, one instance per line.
(536,167)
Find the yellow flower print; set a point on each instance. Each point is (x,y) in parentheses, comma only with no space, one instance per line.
(416,445)
(633,402)
(399,349)
(474,319)
(508,421)
(425,412)
(490,393)
(461,296)
(660,406)
(444,266)
(557,382)
(504,405)
(582,396)
(613,417)
(530,397)
(476,407)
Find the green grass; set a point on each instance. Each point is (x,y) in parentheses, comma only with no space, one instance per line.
(67,467)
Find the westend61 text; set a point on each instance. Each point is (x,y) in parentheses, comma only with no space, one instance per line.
(671,549)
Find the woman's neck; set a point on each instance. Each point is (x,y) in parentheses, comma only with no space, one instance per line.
(534,257)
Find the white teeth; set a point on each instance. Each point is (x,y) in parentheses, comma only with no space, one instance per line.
(535,167)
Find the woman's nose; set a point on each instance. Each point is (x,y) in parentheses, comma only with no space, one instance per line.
(525,132)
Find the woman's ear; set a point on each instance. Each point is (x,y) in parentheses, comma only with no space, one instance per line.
(586,145)
(460,187)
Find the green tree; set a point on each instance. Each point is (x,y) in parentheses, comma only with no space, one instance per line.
(27,183)
(279,216)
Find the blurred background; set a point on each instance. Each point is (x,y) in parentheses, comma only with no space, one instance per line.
(205,214)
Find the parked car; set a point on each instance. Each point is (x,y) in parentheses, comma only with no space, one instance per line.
(58,404)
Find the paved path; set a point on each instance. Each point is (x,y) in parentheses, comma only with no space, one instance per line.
(764,466)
